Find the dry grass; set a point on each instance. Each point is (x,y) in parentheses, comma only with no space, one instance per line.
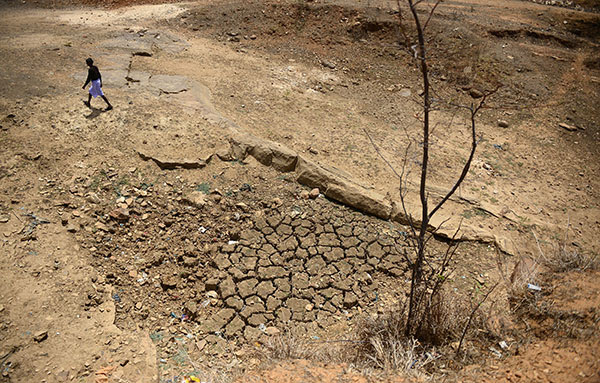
(288,347)
(442,322)
(565,258)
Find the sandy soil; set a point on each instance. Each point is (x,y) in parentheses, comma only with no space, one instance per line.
(317,79)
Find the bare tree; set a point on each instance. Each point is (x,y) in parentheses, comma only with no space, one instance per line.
(420,291)
(427,278)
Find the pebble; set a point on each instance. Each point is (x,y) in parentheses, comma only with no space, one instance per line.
(568,127)
(328,64)
(40,336)
(272,331)
(93,198)
(475,93)
(314,193)
(503,123)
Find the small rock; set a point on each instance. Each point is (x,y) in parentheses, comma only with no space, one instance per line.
(314,193)
(93,198)
(196,199)
(328,64)
(272,331)
(350,300)
(139,306)
(405,92)
(503,123)
(304,194)
(101,226)
(169,282)
(568,127)
(40,336)
(212,294)
(237,324)
(475,93)
(191,309)
(241,205)
(72,228)
(119,214)
(4,219)
(252,37)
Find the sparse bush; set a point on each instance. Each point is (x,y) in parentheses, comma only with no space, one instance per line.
(287,346)
(564,259)
(383,343)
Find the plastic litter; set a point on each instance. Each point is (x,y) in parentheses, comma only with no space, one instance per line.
(116,297)
(503,345)
(497,353)
(143,278)
(232,242)
(534,287)
(191,379)
(202,229)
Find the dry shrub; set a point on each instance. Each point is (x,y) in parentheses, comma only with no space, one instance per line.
(442,321)
(287,346)
(441,318)
(564,259)
(384,345)
(516,279)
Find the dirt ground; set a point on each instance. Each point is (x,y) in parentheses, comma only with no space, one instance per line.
(113,266)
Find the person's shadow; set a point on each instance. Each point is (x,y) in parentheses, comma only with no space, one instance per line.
(95,112)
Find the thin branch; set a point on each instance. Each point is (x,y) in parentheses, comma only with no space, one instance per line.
(401,25)
(381,155)
(468,324)
(467,165)
(431,14)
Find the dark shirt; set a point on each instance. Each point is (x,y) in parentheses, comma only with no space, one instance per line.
(93,75)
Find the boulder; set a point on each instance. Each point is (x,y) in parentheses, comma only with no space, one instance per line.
(360,199)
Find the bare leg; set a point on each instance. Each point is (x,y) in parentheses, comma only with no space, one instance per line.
(109,106)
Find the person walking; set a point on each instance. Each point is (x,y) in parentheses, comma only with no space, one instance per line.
(96,89)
